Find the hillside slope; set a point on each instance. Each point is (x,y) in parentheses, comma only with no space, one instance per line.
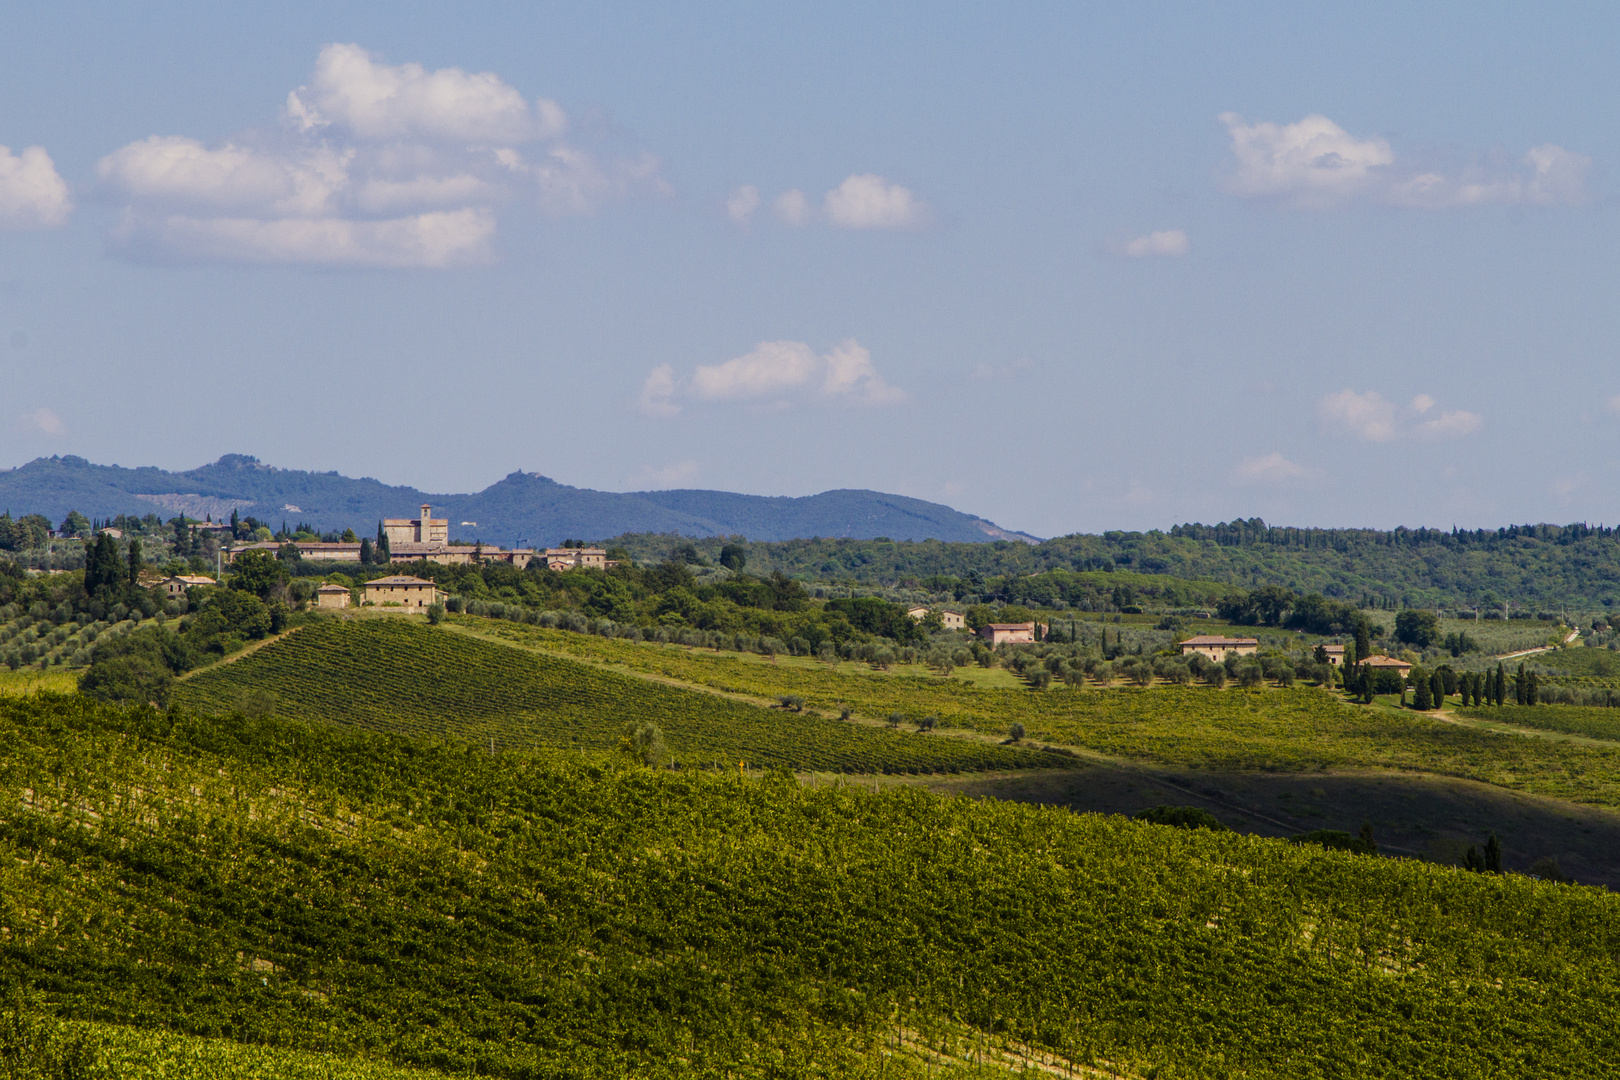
(343,891)
(395,675)
(524,506)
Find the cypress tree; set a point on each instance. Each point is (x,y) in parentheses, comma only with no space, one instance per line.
(1493,855)
(134,562)
(1519,686)
(365,553)
(1531,690)
(1501,684)
(1437,684)
(1423,695)
(1363,639)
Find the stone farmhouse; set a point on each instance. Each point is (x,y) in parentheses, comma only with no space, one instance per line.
(1215,647)
(1335,654)
(177,585)
(1018,633)
(561,559)
(951,620)
(332,596)
(408,592)
(1388,663)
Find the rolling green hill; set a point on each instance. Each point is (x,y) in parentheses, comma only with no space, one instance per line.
(1533,567)
(397,675)
(377,897)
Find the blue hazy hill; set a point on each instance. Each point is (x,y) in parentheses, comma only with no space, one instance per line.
(522,506)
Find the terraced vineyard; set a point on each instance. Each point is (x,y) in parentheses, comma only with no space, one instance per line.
(400,676)
(1302,729)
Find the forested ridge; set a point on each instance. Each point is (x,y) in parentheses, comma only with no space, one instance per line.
(1522,566)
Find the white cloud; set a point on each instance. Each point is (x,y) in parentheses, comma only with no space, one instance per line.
(1171,242)
(444,238)
(771,368)
(792,208)
(43,419)
(379,101)
(850,375)
(658,392)
(1273,468)
(378,165)
(1451,424)
(772,373)
(32,195)
(1373,418)
(1366,416)
(1316,164)
(743,204)
(868,201)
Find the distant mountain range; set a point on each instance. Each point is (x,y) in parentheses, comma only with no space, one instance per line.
(523,506)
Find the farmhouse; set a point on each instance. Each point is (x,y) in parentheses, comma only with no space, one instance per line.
(1215,647)
(1335,654)
(577,558)
(1017,633)
(332,595)
(410,592)
(951,620)
(1381,662)
(177,585)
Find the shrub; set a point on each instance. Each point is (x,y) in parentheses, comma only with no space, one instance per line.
(1181,817)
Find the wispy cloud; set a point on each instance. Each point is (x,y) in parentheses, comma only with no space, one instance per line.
(862,201)
(1163,242)
(1371,417)
(1271,469)
(742,204)
(43,419)
(773,372)
(1315,164)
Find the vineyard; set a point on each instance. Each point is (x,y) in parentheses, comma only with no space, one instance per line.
(1592,723)
(338,891)
(396,675)
(1269,730)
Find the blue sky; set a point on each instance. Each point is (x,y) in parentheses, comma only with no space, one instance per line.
(1070,268)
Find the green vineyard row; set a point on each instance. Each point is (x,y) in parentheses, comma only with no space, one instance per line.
(395,675)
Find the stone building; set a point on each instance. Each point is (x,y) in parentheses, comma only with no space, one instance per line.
(1215,647)
(177,585)
(407,592)
(1017,633)
(332,595)
(425,529)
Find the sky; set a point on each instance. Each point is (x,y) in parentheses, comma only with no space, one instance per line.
(1069,267)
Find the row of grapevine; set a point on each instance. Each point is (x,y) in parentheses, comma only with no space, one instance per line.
(333,890)
(1272,730)
(397,675)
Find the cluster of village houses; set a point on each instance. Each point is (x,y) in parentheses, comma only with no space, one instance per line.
(427,537)
(1217,648)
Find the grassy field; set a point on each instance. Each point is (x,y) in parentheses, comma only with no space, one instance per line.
(402,675)
(1229,730)
(1595,663)
(337,891)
